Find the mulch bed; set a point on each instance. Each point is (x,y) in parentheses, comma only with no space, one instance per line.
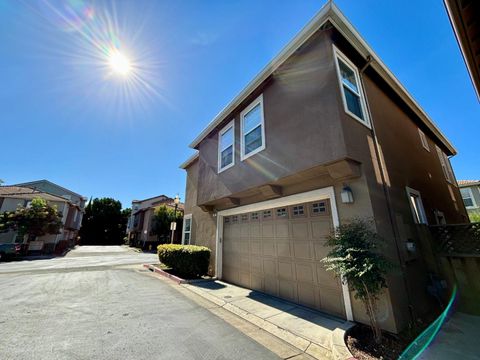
(183,277)
(361,344)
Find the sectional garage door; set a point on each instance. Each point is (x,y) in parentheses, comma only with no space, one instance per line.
(278,251)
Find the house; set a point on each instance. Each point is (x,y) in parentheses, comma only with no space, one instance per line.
(72,220)
(323,134)
(139,226)
(465,19)
(470,190)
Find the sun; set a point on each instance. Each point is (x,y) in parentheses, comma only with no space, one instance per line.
(119,63)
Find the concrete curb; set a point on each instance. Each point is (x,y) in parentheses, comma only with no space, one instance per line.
(174,278)
(337,348)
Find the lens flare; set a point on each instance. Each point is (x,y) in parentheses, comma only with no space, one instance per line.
(119,63)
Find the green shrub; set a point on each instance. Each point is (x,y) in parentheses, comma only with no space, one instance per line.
(186,260)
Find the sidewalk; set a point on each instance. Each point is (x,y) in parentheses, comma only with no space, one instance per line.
(315,333)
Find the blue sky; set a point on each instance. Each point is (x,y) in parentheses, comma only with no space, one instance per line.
(65,118)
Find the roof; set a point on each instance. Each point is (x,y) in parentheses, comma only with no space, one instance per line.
(465,183)
(189,161)
(19,192)
(32,183)
(151,198)
(328,13)
(465,19)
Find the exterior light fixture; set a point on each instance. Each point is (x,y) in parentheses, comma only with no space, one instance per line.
(176,200)
(173,224)
(347,195)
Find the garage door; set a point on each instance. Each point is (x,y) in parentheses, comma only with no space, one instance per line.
(278,251)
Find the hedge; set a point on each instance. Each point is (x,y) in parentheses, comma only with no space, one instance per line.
(185,260)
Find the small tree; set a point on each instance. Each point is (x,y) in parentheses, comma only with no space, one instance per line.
(355,258)
(38,219)
(161,222)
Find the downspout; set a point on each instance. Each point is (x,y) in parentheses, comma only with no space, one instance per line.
(385,190)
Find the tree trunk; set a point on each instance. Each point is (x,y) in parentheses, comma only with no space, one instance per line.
(370,305)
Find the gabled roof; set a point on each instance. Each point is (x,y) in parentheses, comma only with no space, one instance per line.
(33,183)
(152,198)
(19,192)
(328,13)
(189,161)
(465,183)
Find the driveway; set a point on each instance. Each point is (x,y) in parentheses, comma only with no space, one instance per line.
(98,303)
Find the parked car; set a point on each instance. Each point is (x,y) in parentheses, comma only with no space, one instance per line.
(9,251)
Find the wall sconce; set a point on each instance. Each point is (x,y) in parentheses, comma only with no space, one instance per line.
(346,195)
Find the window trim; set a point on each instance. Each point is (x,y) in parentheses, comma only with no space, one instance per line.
(185,218)
(338,55)
(423,140)
(422,217)
(474,206)
(254,103)
(445,165)
(230,125)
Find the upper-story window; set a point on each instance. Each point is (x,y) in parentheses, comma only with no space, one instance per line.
(468,199)
(353,98)
(416,205)
(446,167)
(423,139)
(226,147)
(253,129)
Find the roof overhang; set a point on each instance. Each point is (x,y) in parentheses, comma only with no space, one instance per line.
(329,12)
(189,161)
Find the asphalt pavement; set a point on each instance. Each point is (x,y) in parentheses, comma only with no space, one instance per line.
(99,303)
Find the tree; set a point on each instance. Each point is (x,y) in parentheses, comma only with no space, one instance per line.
(355,258)
(161,222)
(104,222)
(37,219)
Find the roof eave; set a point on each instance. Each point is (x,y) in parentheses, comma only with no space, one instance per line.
(189,161)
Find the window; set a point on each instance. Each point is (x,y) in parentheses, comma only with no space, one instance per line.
(254,216)
(446,167)
(416,205)
(187,229)
(353,99)
(244,217)
(235,219)
(226,150)
(267,214)
(468,199)
(423,139)
(298,210)
(227,220)
(252,129)
(319,208)
(282,213)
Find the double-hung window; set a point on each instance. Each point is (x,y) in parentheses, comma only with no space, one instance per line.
(353,98)
(468,199)
(252,129)
(187,229)
(226,151)
(423,139)
(416,205)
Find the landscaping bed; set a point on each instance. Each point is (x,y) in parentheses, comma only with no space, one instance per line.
(188,278)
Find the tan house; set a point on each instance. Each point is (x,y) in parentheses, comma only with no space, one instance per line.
(12,197)
(139,226)
(323,134)
(470,190)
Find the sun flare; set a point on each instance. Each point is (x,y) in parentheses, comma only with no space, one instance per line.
(119,63)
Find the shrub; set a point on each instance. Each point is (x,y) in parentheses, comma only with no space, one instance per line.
(186,260)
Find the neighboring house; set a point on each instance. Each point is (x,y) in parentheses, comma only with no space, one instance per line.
(325,133)
(72,221)
(139,227)
(470,190)
(465,19)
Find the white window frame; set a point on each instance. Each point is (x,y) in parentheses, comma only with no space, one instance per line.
(230,125)
(474,206)
(185,218)
(419,217)
(254,103)
(423,139)
(340,56)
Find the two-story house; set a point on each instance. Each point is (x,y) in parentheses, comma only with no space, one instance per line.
(73,212)
(470,190)
(139,226)
(323,134)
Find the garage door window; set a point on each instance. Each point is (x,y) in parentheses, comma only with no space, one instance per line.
(227,220)
(267,214)
(254,216)
(234,219)
(319,208)
(298,211)
(282,213)
(244,218)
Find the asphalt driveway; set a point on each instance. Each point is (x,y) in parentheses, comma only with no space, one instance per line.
(96,303)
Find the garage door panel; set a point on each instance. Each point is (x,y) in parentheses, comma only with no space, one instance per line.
(304,272)
(306,294)
(302,250)
(245,231)
(268,248)
(255,248)
(244,279)
(327,278)
(255,229)
(300,230)
(321,227)
(286,290)
(286,270)
(269,267)
(332,301)
(320,250)
(267,229)
(270,285)
(256,282)
(281,229)
(284,249)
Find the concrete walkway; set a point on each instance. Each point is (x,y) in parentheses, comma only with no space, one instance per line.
(315,333)
(457,339)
